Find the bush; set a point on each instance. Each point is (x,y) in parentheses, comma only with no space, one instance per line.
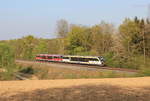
(145,69)
(145,72)
(6,55)
(6,62)
(28,70)
(109,60)
(132,62)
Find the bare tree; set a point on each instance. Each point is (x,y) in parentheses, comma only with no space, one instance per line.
(62,28)
(149,11)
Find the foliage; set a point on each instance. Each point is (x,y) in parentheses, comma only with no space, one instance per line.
(41,47)
(135,36)
(83,40)
(126,47)
(78,40)
(6,62)
(6,55)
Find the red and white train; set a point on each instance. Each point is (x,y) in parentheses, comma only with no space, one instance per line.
(90,60)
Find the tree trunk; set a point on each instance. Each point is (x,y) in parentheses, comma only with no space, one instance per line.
(144,52)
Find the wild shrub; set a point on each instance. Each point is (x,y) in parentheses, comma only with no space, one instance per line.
(28,70)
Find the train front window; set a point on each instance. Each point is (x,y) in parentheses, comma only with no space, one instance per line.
(101,58)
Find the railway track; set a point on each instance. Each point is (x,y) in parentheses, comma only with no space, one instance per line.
(81,66)
(20,76)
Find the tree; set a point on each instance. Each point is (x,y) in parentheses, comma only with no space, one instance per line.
(147,38)
(6,56)
(53,46)
(29,43)
(18,47)
(135,38)
(78,40)
(142,26)
(62,28)
(62,31)
(102,40)
(40,48)
(130,36)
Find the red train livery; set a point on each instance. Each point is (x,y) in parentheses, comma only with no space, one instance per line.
(47,57)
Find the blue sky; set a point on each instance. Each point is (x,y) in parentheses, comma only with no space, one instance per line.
(38,17)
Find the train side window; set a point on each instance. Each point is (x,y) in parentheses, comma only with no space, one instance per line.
(65,57)
(74,59)
(55,57)
(49,57)
(44,57)
(93,59)
(86,60)
(79,59)
(83,59)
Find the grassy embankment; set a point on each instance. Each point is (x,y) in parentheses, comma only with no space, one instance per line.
(43,71)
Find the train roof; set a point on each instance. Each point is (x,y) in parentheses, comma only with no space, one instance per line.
(81,56)
(68,55)
(48,55)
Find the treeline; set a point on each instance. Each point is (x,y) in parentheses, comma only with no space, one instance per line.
(127,46)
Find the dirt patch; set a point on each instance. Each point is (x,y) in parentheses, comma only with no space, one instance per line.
(83,93)
(118,89)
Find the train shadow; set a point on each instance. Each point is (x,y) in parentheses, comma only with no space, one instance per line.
(83,93)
